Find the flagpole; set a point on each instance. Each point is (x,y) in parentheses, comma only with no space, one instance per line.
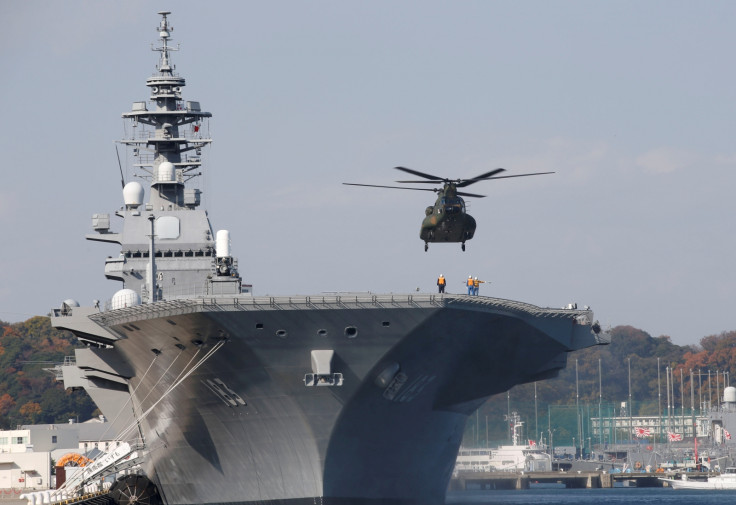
(629,408)
(600,414)
(697,462)
(659,399)
(682,400)
(536,414)
(700,391)
(667,376)
(692,397)
(577,407)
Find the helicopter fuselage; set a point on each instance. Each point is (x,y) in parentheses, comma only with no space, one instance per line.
(447,221)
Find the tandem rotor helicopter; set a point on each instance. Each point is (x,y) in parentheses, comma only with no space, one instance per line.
(446,220)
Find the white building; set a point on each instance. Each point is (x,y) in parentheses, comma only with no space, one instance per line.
(27,453)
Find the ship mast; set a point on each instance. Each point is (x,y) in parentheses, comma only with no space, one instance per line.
(514,419)
(174,129)
(168,248)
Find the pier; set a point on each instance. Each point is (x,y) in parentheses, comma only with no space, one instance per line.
(571,480)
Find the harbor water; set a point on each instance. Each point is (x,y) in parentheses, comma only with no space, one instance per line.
(615,496)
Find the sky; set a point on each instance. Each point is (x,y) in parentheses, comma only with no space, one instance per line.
(630,103)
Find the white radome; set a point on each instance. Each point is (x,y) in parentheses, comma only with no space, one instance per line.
(125,298)
(222,243)
(133,194)
(166,172)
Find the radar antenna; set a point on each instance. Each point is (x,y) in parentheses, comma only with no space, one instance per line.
(164,31)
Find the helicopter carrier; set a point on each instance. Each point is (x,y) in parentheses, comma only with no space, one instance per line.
(319,399)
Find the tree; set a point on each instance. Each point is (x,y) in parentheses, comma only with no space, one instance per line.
(26,349)
(31,410)
(6,403)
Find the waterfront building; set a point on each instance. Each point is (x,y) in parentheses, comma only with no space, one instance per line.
(28,452)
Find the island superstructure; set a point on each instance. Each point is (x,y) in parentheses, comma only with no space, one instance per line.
(331,399)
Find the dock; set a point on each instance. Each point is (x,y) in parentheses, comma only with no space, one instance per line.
(572,480)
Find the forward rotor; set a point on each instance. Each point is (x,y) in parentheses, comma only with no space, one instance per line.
(433,179)
(461,183)
(436,190)
(436,180)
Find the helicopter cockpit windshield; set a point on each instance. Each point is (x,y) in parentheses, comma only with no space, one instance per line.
(453,205)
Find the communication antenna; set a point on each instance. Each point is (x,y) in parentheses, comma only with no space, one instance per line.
(120,165)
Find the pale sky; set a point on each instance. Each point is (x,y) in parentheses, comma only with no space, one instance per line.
(631,103)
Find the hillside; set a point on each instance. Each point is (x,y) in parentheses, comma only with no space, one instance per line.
(28,393)
(556,398)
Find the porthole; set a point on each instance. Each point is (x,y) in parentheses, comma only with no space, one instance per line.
(386,323)
(281,333)
(322,332)
(259,326)
(351,331)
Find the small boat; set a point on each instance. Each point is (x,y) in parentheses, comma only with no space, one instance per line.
(518,457)
(726,480)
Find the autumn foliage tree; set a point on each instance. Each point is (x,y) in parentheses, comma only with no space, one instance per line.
(28,393)
(31,411)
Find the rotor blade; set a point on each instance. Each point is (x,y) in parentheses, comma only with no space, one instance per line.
(520,175)
(392,187)
(420,174)
(461,193)
(420,182)
(468,182)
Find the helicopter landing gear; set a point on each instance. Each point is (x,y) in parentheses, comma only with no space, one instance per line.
(426,247)
(463,246)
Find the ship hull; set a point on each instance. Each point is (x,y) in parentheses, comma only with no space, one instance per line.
(713,483)
(247,423)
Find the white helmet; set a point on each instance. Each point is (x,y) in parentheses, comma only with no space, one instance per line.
(476,278)
(470,276)
(441,275)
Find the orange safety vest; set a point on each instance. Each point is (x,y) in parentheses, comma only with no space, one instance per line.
(470,282)
(476,283)
(441,281)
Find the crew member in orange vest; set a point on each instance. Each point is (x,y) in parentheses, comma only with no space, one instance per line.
(470,284)
(476,286)
(441,283)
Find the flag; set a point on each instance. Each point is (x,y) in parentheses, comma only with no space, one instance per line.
(532,443)
(674,437)
(642,432)
(726,434)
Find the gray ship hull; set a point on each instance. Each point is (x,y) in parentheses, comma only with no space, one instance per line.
(247,427)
